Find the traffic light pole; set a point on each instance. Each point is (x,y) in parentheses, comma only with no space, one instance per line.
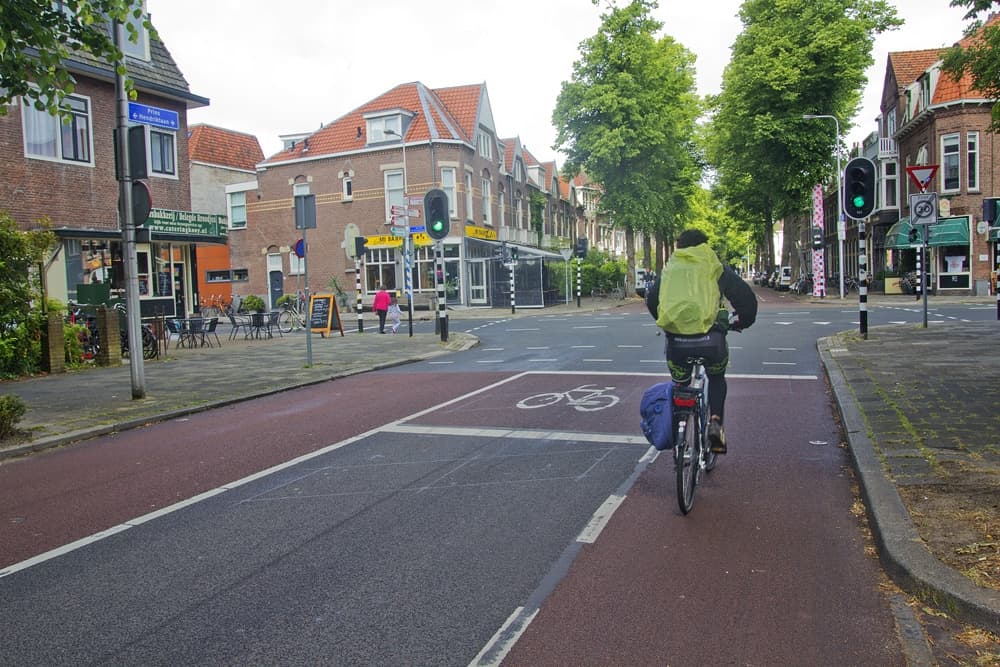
(125,215)
(442,313)
(862,280)
(579,280)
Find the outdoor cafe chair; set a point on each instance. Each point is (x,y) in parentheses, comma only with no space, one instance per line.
(175,328)
(239,324)
(210,326)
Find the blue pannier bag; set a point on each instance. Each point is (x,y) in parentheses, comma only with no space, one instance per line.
(656,410)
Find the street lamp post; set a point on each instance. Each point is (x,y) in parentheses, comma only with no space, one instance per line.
(407,239)
(841,233)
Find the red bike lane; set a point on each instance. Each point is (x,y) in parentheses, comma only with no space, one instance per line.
(770,568)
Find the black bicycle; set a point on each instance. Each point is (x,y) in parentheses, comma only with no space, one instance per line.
(692,452)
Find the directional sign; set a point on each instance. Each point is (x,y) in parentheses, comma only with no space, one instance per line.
(417,228)
(399,210)
(922,174)
(398,231)
(148,115)
(414,200)
(924,208)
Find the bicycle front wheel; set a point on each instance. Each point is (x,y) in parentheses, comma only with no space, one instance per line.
(686,452)
(285,321)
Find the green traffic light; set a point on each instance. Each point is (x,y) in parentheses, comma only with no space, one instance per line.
(437,225)
(859,201)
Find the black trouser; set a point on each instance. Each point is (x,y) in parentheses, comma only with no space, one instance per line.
(381,320)
(712,347)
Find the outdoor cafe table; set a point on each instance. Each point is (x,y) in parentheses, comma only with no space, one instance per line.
(261,324)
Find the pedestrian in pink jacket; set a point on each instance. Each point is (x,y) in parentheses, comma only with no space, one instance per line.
(381,306)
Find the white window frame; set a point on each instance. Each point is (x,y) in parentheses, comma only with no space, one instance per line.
(139,49)
(890,184)
(487,196)
(468,195)
(347,184)
(448,180)
(378,125)
(172,136)
(53,126)
(501,207)
(236,201)
(972,161)
(951,159)
(486,145)
(518,211)
(296,264)
(392,180)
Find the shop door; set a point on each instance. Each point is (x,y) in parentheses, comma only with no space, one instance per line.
(477,283)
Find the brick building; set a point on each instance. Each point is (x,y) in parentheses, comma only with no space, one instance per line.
(389,152)
(66,173)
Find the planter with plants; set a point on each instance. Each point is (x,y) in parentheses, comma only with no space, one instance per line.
(254,304)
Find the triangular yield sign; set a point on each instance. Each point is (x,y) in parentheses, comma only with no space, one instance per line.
(922,174)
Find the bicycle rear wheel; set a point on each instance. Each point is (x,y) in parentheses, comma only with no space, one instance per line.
(686,451)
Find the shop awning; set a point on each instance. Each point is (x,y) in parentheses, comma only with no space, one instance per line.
(950,231)
(994,234)
(898,235)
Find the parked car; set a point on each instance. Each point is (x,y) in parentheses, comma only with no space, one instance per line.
(785,279)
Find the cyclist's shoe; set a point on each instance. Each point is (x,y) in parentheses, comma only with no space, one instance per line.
(716,437)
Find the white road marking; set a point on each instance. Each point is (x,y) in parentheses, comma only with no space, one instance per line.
(639,347)
(778,363)
(595,326)
(490,361)
(785,323)
(603,361)
(782,349)
(540,347)
(525,329)
(582,347)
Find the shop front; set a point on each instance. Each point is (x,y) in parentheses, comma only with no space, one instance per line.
(92,270)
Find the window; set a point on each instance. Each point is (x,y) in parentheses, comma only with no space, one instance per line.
(380,268)
(448,185)
(393,192)
(951,171)
(519,171)
(501,207)
(485,145)
(890,195)
(972,148)
(518,212)
(140,48)
(486,201)
(378,126)
(296,264)
(47,136)
(162,153)
(237,210)
(468,195)
(348,188)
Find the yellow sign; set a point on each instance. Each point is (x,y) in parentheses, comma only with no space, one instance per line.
(389,241)
(480,233)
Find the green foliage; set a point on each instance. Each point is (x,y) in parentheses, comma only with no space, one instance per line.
(335,286)
(12,408)
(254,304)
(285,299)
(73,337)
(20,316)
(37,37)
(627,118)
(792,58)
(979,57)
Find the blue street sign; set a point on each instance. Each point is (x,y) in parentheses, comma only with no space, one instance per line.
(417,228)
(147,115)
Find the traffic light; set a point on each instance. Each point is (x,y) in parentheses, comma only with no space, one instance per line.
(436,210)
(859,188)
(817,233)
(359,246)
(990,209)
(513,253)
(580,247)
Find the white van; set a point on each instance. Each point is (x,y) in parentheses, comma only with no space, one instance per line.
(785,280)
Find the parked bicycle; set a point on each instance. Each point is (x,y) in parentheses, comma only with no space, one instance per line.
(216,306)
(292,315)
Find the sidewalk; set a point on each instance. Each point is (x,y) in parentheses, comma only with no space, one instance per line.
(93,401)
(919,407)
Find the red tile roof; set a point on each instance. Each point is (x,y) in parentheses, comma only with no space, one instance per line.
(228,148)
(443,114)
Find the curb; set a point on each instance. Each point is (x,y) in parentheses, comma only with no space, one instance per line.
(458,343)
(901,551)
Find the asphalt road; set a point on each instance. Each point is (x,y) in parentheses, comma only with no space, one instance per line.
(420,516)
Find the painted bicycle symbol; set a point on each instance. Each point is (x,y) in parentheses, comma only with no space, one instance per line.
(585,398)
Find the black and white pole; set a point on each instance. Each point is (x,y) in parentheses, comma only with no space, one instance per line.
(359,305)
(513,300)
(579,280)
(862,280)
(922,273)
(442,313)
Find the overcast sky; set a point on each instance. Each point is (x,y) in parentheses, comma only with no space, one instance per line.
(272,68)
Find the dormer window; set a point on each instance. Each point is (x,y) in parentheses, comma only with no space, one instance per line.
(486,145)
(140,48)
(378,126)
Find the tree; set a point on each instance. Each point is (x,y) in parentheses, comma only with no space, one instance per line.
(978,55)
(20,296)
(627,119)
(793,57)
(38,37)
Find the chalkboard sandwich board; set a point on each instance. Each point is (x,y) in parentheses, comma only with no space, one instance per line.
(322,314)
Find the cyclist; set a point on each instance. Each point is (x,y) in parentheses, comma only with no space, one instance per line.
(689,307)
